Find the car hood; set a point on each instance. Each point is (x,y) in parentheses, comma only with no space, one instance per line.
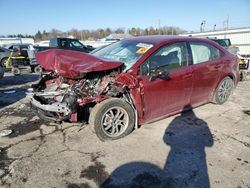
(73,64)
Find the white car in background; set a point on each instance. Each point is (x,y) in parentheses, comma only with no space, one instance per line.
(44,43)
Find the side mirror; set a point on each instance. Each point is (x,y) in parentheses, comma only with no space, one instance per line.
(158,73)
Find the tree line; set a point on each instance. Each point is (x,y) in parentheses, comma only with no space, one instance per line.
(95,34)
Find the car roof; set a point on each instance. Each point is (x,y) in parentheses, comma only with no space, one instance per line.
(64,38)
(157,39)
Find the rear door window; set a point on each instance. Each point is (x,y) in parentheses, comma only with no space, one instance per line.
(63,43)
(203,52)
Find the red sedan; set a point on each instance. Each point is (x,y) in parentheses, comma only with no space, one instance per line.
(133,81)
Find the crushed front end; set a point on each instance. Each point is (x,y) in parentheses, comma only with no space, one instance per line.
(55,98)
(73,83)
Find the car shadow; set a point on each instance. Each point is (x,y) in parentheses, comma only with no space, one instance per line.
(13,88)
(185,166)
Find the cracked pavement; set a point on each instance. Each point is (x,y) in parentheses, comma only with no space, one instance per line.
(210,143)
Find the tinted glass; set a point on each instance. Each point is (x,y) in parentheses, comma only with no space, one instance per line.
(76,44)
(223,42)
(169,57)
(63,43)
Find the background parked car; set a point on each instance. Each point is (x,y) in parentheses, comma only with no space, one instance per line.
(244,61)
(20,49)
(69,44)
(66,44)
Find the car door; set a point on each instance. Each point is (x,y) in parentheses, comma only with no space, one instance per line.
(163,96)
(206,68)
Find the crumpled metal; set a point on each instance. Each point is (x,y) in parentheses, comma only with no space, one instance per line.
(73,64)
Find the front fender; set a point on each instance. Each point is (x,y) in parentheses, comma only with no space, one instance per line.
(129,82)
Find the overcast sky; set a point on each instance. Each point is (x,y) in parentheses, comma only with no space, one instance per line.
(29,16)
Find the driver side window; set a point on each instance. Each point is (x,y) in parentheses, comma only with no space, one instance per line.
(167,58)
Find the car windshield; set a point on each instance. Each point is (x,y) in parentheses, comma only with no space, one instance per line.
(125,51)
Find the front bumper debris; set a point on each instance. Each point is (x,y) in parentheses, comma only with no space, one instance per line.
(49,112)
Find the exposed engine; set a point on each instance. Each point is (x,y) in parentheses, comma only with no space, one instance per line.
(57,98)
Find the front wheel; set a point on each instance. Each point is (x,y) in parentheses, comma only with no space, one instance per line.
(112,119)
(223,90)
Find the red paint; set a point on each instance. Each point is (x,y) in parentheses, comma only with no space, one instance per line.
(73,64)
(188,85)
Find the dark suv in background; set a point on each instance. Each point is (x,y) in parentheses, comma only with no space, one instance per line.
(69,44)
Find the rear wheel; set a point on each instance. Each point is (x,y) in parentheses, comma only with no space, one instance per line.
(223,90)
(243,75)
(112,119)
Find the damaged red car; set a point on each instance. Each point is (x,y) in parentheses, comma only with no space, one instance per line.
(132,82)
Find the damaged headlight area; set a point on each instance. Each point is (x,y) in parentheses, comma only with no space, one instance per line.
(56,98)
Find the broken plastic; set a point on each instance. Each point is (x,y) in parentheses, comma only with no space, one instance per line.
(73,64)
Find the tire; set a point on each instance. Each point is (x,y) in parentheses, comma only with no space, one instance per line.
(117,114)
(3,62)
(243,75)
(38,69)
(16,71)
(223,90)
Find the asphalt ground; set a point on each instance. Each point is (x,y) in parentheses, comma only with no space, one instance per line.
(208,146)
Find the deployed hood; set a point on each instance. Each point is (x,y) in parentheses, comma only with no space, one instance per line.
(73,64)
